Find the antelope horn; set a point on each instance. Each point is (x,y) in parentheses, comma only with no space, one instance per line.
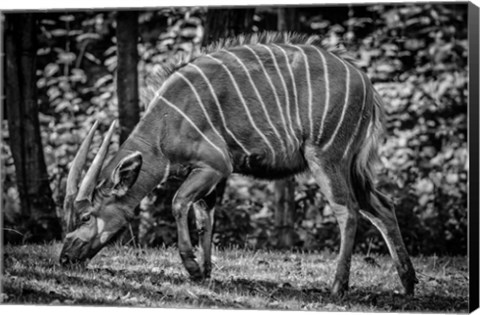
(78,162)
(88,184)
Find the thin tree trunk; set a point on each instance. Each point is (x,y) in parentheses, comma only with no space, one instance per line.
(221,23)
(285,189)
(39,219)
(288,19)
(285,213)
(127,73)
(282,19)
(127,92)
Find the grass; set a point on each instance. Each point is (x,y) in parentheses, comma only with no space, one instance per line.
(125,276)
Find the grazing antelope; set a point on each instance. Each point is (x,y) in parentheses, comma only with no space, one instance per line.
(270,105)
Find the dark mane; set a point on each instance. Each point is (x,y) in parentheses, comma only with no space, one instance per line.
(182,59)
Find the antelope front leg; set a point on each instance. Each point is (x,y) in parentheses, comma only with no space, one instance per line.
(204,213)
(199,183)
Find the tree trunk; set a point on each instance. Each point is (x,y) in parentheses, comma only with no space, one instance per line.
(127,73)
(127,92)
(39,219)
(288,19)
(285,213)
(285,189)
(222,23)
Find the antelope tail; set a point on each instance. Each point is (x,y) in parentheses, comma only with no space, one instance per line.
(364,162)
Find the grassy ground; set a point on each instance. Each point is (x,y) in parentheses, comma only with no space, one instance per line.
(240,279)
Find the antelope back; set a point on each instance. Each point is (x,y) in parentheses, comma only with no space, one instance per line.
(255,102)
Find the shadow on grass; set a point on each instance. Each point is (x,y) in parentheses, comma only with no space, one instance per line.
(128,283)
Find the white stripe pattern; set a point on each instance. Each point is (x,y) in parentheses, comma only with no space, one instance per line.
(287,94)
(299,120)
(178,110)
(344,108)
(327,93)
(234,82)
(162,89)
(361,114)
(165,174)
(274,90)
(309,86)
(200,102)
(259,98)
(219,107)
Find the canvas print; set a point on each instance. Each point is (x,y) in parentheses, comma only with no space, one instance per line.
(282,158)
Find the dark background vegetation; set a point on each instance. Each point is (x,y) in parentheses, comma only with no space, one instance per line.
(416,55)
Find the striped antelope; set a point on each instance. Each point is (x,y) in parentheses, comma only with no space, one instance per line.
(270,105)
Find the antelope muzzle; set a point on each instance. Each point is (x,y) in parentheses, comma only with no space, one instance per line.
(74,252)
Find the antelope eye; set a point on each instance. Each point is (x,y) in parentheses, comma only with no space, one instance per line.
(85,218)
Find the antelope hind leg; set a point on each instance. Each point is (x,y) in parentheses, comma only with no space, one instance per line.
(199,183)
(204,213)
(382,215)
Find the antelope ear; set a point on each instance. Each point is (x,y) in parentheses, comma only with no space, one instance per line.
(126,173)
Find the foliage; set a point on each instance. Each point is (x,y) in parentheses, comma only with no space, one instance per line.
(416,55)
(127,276)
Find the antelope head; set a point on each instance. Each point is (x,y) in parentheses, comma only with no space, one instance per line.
(95,209)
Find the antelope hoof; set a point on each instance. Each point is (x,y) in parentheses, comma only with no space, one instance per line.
(192,266)
(410,287)
(409,280)
(207,270)
(339,289)
(194,271)
(198,277)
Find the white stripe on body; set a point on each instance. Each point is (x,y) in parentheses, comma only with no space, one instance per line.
(309,86)
(274,90)
(260,99)
(295,95)
(250,118)
(166,174)
(166,84)
(200,102)
(219,107)
(357,127)
(344,108)
(327,93)
(287,94)
(178,110)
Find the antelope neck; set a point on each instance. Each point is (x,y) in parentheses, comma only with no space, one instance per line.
(154,164)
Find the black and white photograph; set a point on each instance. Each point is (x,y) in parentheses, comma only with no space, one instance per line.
(301,157)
